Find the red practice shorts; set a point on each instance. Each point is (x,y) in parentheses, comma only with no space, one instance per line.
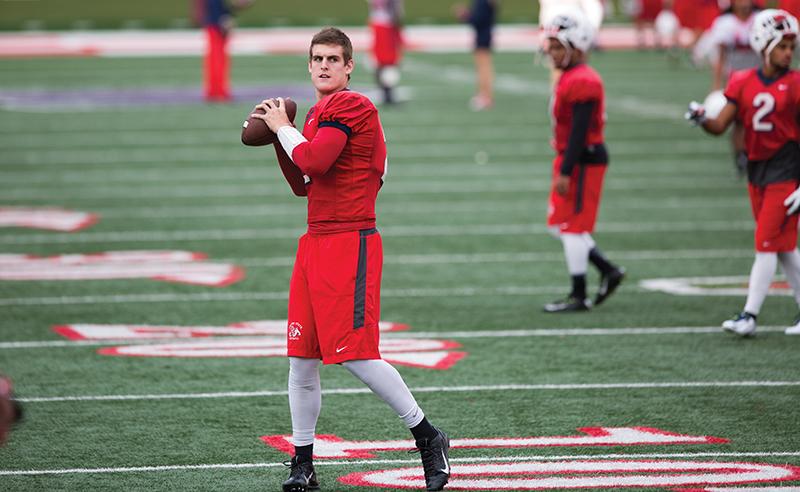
(387,44)
(648,10)
(696,14)
(775,232)
(334,297)
(576,211)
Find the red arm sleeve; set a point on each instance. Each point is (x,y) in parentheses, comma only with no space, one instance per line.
(314,158)
(292,173)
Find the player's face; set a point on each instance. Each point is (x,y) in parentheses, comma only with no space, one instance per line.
(742,7)
(557,52)
(329,72)
(781,55)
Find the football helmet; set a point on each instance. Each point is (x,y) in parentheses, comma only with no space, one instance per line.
(571,29)
(770,26)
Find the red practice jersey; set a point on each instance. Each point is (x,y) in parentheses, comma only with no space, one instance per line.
(578,84)
(343,197)
(768,109)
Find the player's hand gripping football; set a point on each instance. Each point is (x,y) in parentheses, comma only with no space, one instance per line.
(274,114)
(696,113)
(792,202)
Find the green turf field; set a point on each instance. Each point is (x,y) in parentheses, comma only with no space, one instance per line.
(467,260)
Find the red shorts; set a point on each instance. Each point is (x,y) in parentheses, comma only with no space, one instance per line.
(387,44)
(648,10)
(576,211)
(775,232)
(334,297)
(694,14)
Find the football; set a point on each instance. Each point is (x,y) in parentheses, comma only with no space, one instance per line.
(255,132)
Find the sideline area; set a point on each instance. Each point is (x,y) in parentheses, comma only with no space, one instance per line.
(288,40)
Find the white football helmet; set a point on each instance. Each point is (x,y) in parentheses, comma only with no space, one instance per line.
(571,29)
(770,26)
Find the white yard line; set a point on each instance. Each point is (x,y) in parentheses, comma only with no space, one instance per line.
(389,231)
(476,459)
(508,257)
(480,184)
(274,296)
(521,333)
(425,389)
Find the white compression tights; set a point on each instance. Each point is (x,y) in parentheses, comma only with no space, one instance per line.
(305,399)
(760,279)
(384,380)
(790,263)
(576,251)
(305,393)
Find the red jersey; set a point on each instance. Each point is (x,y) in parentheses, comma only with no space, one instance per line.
(768,109)
(578,84)
(342,198)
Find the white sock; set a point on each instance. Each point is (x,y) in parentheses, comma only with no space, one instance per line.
(305,399)
(761,276)
(384,380)
(576,250)
(790,263)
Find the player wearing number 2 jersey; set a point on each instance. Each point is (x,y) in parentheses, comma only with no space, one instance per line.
(766,102)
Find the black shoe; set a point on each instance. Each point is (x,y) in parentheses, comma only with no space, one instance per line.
(302,477)
(571,303)
(608,284)
(435,460)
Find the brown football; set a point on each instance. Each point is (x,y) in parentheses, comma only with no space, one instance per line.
(255,132)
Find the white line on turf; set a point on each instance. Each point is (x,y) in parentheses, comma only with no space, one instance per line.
(508,257)
(523,333)
(393,231)
(424,389)
(405,187)
(477,459)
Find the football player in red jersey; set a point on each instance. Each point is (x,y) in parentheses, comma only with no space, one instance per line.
(339,163)
(766,101)
(578,110)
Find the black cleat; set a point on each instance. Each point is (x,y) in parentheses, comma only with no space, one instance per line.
(570,304)
(435,460)
(608,284)
(302,477)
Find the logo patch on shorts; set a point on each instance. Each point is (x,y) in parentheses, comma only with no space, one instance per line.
(295,330)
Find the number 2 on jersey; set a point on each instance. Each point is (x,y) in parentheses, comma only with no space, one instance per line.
(765,103)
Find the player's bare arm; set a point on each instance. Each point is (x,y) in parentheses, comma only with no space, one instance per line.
(718,125)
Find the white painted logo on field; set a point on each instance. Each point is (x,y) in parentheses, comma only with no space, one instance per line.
(329,446)
(709,286)
(427,354)
(583,474)
(169,266)
(53,219)
(274,327)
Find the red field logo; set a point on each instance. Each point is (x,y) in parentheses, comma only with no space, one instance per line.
(54,219)
(709,286)
(337,448)
(168,266)
(266,338)
(584,474)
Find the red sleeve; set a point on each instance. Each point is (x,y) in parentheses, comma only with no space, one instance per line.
(345,113)
(734,88)
(584,90)
(314,158)
(292,173)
